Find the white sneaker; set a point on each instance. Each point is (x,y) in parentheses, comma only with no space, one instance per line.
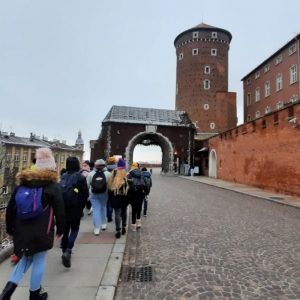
(96,231)
(104,227)
(90,211)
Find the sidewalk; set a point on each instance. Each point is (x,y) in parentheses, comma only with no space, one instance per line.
(94,272)
(247,190)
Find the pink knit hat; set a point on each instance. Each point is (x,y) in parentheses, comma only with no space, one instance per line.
(44,160)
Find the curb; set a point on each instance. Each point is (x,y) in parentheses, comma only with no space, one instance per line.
(110,278)
(6,253)
(241,192)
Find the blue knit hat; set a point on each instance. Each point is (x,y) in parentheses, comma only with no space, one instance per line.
(121,164)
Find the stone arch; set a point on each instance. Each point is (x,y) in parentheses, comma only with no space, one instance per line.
(213,161)
(158,139)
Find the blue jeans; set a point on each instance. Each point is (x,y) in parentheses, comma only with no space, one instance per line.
(70,234)
(120,213)
(99,202)
(38,262)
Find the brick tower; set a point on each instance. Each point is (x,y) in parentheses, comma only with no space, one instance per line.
(202,79)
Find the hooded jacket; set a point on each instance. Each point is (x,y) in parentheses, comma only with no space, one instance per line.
(36,235)
(133,197)
(75,212)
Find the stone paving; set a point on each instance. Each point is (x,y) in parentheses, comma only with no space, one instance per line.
(209,243)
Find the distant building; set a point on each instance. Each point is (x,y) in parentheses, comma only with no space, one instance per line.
(273,83)
(18,153)
(202,79)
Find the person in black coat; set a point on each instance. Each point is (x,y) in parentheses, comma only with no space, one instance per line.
(74,211)
(35,236)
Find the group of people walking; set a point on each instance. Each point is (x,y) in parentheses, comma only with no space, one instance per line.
(42,201)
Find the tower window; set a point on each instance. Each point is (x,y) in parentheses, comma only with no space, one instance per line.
(180,56)
(212,126)
(195,35)
(213,52)
(206,106)
(207,70)
(206,84)
(176,88)
(248,81)
(195,51)
(248,99)
(214,35)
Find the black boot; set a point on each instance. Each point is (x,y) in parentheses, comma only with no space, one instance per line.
(66,258)
(124,230)
(38,295)
(8,291)
(118,234)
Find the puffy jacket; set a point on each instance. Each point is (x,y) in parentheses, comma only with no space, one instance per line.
(36,235)
(133,197)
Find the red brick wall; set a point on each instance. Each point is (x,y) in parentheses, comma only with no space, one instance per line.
(264,153)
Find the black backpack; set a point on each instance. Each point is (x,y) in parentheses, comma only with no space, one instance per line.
(148,183)
(68,185)
(99,183)
(139,187)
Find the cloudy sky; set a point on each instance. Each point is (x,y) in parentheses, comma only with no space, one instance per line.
(64,63)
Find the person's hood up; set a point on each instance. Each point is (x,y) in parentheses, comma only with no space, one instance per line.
(135,173)
(72,164)
(36,178)
(146,174)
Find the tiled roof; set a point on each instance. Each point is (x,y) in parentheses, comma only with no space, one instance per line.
(61,146)
(137,115)
(203,25)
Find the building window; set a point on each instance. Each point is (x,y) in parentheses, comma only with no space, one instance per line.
(267,68)
(279,82)
(195,35)
(248,81)
(257,94)
(8,155)
(212,126)
(267,89)
(214,35)
(180,56)
(5,190)
(207,70)
(294,98)
(195,51)
(257,74)
(293,74)
(62,158)
(17,156)
(176,88)
(292,49)
(25,156)
(3,203)
(213,52)
(279,105)
(248,99)
(248,118)
(206,106)
(206,84)
(268,109)
(257,114)
(278,59)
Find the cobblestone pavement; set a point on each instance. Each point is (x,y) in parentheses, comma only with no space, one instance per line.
(209,243)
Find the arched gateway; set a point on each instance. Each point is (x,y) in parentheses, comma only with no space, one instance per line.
(125,127)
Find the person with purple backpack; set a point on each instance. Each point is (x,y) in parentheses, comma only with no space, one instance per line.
(30,222)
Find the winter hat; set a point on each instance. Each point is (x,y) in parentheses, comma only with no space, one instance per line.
(121,164)
(112,159)
(100,162)
(134,165)
(144,169)
(44,159)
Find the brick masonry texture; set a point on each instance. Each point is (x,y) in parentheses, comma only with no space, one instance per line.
(262,153)
(209,243)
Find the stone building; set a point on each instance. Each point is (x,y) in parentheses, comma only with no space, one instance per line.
(273,83)
(202,79)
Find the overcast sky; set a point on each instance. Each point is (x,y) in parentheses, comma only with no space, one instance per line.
(64,63)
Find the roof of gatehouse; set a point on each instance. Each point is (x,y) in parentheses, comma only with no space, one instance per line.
(153,116)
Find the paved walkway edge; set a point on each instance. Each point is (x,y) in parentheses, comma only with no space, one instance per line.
(241,192)
(6,253)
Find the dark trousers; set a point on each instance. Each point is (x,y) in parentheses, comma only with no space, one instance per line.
(109,210)
(145,205)
(136,212)
(70,234)
(120,215)
(88,204)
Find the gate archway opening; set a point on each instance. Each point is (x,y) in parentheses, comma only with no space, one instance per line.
(213,164)
(147,139)
(147,153)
